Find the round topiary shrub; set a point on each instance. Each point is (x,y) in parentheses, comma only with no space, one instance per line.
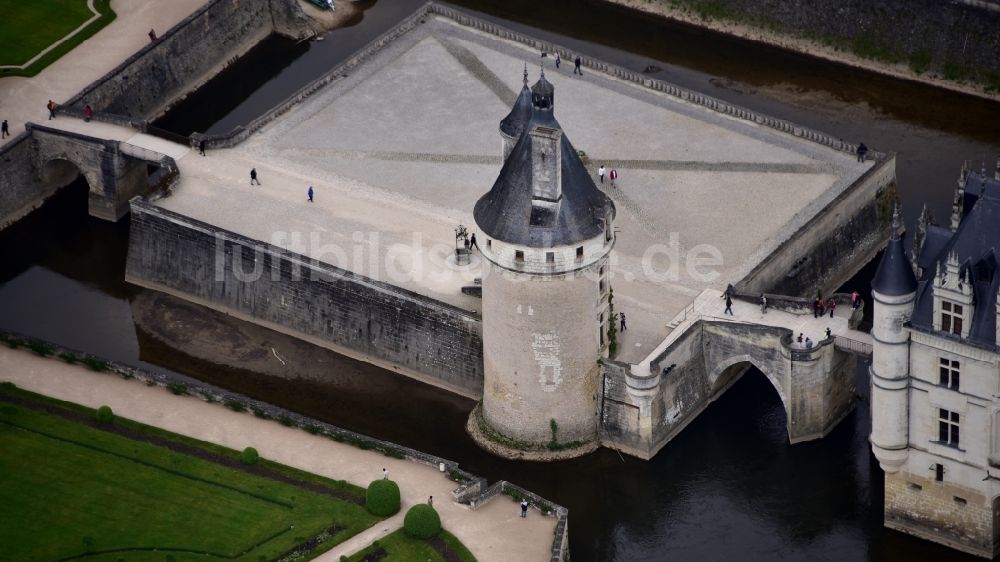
(422,522)
(382,498)
(104,414)
(249,456)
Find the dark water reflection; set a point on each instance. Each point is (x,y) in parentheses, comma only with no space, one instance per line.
(729,487)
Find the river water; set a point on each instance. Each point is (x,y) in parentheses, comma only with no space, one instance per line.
(729,487)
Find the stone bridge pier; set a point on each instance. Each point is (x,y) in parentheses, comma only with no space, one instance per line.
(115,171)
(644,406)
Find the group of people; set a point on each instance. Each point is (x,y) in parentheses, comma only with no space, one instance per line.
(613,176)
(820,306)
(577,63)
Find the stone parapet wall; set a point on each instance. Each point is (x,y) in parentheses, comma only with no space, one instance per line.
(418,336)
(187,55)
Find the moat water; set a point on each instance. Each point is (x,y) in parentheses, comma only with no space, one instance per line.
(729,487)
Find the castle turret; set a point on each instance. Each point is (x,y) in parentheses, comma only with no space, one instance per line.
(894,291)
(512,126)
(547,235)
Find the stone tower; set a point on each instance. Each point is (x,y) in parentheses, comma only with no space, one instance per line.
(894,291)
(547,236)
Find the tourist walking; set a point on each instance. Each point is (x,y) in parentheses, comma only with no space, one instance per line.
(430,501)
(152,35)
(821,306)
(472,242)
(799,339)
(830,305)
(763,303)
(201,147)
(809,343)
(558,61)
(613,175)
(855,300)
(600,173)
(862,152)
(4,130)
(253,176)
(524,508)
(385,473)
(829,332)
(576,66)
(621,320)
(51,106)
(310,193)
(729,305)
(88,113)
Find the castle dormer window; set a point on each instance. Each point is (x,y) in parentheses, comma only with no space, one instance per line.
(951,317)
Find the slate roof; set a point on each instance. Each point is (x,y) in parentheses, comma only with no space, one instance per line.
(506,212)
(977,244)
(520,114)
(894,276)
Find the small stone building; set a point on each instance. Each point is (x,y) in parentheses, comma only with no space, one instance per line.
(936,374)
(547,233)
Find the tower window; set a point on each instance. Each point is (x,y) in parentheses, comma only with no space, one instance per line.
(579,252)
(939,472)
(550,257)
(948,428)
(489,243)
(518,256)
(951,317)
(948,375)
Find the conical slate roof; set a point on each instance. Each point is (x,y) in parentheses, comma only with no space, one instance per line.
(507,211)
(520,114)
(894,276)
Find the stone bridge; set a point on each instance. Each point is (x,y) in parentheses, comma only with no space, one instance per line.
(46,158)
(645,405)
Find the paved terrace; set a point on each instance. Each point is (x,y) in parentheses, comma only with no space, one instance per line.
(493,532)
(399,151)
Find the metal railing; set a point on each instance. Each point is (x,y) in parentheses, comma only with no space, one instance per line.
(853,346)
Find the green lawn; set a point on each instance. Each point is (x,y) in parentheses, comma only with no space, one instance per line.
(28,27)
(399,547)
(71,491)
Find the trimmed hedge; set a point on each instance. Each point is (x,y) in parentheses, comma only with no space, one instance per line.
(422,522)
(104,414)
(382,498)
(249,456)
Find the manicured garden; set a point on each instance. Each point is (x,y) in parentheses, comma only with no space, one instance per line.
(78,486)
(28,28)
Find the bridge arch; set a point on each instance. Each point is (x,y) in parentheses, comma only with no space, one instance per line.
(722,375)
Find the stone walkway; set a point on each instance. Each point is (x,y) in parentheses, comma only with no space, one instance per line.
(23,99)
(709,305)
(494,532)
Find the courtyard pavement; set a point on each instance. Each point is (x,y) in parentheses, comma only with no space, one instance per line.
(494,532)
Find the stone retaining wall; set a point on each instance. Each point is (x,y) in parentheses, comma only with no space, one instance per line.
(946,43)
(189,54)
(391,327)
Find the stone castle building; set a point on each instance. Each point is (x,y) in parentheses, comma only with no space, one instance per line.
(935,379)
(547,236)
